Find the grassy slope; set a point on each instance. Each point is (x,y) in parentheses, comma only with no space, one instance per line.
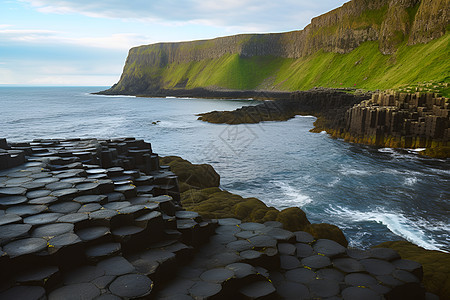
(365,67)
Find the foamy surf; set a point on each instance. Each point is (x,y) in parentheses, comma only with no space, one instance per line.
(293,196)
(397,223)
(355,172)
(410,181)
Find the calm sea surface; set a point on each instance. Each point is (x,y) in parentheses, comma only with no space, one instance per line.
(374,195)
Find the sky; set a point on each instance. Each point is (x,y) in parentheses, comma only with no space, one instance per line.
(86,42)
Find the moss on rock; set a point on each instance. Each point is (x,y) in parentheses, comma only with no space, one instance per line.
(436,266)
(200,193)
(192,175)
(327,231)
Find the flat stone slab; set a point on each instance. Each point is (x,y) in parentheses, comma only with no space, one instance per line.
(348,265)
(229,221)
(240,245)
(42,218)
(186,214)
(75,291)
(377,266)
(258,290)
(51,230)
(12,191)
(250,226)
(328,247)
(25,246)
(12,200)
(23,292)
(293,290)
(40,275)
(43,200)
(116,266)
(303,250)
(316,261)
(263,241)
(64,240)
(288,262)
(92,233)
(301,275)
(324,288)
(73,218)
(13,231)
(357,293)
(204,290)
(218,275)
(67,207)
(9,219)
(360,279)
(26,210)
(90,199)
(241,270)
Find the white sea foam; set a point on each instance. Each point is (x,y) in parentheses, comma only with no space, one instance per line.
(348,172)
(386,150)
(396,222)
(292,196)
(323,132)
(417,149)
(334,182)
(410,181)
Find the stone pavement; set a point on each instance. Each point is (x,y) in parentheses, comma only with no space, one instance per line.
(100,219)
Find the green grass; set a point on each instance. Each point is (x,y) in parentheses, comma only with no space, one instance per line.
(365,67)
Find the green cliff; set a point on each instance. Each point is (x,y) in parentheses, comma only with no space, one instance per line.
(370,44)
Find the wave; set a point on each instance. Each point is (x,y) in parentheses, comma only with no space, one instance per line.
(410,181)
(397,223)
(346,172)
(293,195)
(334,182)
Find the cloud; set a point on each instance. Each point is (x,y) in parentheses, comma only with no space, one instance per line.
(122,41)
(260,15)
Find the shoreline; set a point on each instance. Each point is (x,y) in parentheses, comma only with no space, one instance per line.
(120,182)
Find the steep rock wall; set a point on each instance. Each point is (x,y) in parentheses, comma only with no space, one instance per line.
(390,22)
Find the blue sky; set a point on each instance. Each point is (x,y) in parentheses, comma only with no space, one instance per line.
(85,42)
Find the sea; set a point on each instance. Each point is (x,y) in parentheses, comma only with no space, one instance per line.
(373,194)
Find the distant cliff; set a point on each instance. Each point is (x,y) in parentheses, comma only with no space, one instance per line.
(366,38)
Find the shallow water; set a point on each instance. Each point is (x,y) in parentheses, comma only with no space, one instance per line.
(374,195)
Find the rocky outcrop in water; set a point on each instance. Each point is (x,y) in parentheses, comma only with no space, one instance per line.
(400,120)
(74,223)
(329,103)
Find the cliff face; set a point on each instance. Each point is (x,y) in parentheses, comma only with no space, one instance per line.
(389,22)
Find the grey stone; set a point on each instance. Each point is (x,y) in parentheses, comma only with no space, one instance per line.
(75,291)
(316,261)
(304,250)
(377,266)
(289,262)
(348,265)
(328,247)
(301,275)
(357,293)
(324,288)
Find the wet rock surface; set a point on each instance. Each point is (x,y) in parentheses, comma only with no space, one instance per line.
(98,241)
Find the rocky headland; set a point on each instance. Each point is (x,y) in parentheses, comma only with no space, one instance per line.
(102,219)
(373,45)
(384,119)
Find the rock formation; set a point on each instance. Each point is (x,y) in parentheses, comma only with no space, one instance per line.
(330,103)
(400,120)
(390,22)
(75,224)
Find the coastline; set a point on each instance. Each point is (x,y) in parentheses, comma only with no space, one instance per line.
(130,203)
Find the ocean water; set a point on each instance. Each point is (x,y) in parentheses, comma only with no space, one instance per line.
(373,195)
